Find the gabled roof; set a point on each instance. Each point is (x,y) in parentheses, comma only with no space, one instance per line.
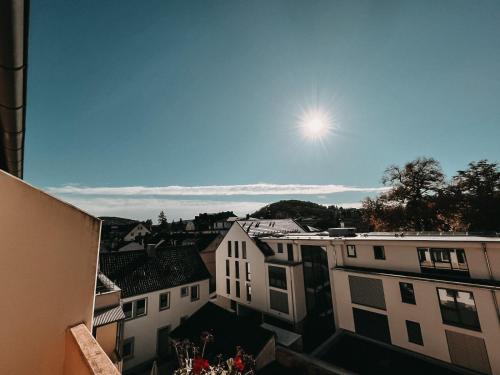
(229,331)
(261,227)
(135,272)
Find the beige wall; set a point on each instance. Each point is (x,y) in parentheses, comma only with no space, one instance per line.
(426,312)
(107,299)
(106,337)
(47,273)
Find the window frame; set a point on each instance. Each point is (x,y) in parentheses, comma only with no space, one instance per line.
(351,247)
(134,314)
(460,324)
(418,340)
(167,307)
(287,312)
(278,285)
(382,257)
(197,288)
(128,340)
(186,288)
(402,291)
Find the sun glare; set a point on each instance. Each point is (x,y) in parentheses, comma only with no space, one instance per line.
(315,123)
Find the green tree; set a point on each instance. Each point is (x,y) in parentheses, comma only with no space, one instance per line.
(162,219)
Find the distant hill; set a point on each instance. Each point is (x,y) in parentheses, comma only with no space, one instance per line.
(112,220)
(312,214)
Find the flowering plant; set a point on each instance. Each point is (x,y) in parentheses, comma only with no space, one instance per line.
(192,361)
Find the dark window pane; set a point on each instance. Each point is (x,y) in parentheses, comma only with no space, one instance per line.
(238,289)
(379,252)
(278,301)
(236,249)
(127,309)
(141,307)
(414,332)
(237,269)
(164,301)
(227,267)
(228,286)
(458,308)
(244,249)
(228,248)
(277,277)
(407,293)
(280,248)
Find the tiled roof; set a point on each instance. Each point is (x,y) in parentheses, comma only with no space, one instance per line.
(262,227)
(229,331)
(108,315)
(137,273)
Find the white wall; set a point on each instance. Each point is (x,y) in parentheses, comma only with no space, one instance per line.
(47,273)
(145,328)
(426,312)
(139,230)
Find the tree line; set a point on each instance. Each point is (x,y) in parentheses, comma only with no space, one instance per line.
(420,198)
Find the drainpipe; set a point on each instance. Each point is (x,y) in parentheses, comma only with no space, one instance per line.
(488,265)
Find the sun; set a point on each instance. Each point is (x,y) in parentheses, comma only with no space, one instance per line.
(315,123)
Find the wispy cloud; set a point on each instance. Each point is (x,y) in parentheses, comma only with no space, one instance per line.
(213,190)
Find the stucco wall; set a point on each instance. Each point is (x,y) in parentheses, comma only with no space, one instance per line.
(106,337)
(48,274)
(145,328)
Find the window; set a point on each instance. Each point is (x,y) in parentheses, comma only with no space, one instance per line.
(351,251)
(229,248)
(379,252)
(233,305)
(164,301)
(184,291)
(249,292)
(280,248)
(278,301)
(244,249)
(128,310)
(247,272)
(277,277)
(289,249)
(135,309)
(128,348)
(227,268)
(442,260)
(238,289)
(458,308)
(414,332)
(237,269)
(228,286)
(140,307)
(407,293)
(236,249)
(195,292)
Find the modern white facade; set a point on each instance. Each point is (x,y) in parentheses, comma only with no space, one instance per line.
(434,295)
(146,329)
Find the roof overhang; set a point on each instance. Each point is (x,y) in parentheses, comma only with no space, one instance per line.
(14,23)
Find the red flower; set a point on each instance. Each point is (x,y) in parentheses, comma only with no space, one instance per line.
(200,364)
(238,363)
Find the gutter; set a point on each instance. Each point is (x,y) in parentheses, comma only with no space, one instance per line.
(14,25)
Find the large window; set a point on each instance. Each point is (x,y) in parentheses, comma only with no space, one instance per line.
(128,348)
(244,249)
(135,309)
(414,332)
(236,249)
(277,277)
(237,269)
(229,248)
(379,252)
(351,251)
(407,293)
(458,308)
(441,260)
(165,301)
(195,292)
(278,301)
(227,268)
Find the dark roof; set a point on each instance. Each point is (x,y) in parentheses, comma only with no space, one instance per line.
(137,273)
(229,331)
(264,247)
(266,227)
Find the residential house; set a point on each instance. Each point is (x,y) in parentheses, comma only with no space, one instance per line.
(136,230)
(160,288)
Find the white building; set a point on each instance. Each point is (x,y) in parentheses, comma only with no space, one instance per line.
(138,230)
(434,295)
(159,290)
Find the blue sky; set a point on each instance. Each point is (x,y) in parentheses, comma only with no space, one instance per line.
(210,93)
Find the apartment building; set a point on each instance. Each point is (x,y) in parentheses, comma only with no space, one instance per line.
(435,295)
(160,289)
(267,279)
